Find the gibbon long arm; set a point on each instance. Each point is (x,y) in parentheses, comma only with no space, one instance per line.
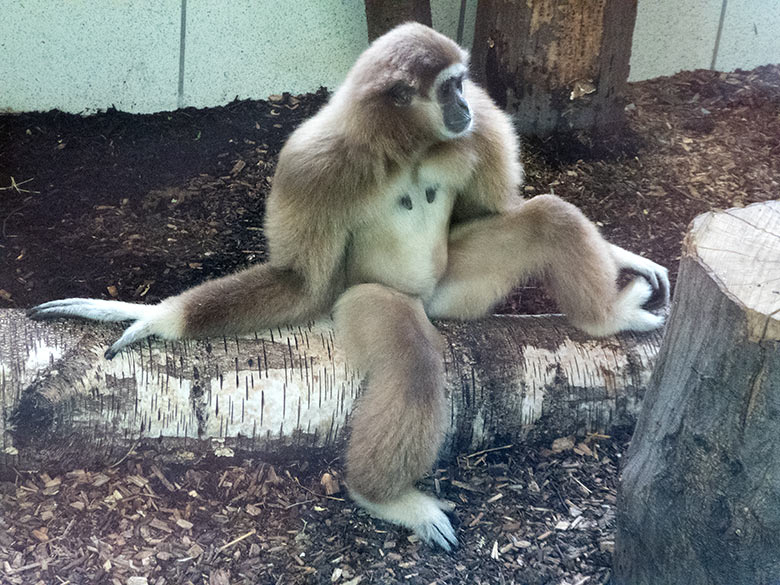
(398,426)
(257,298)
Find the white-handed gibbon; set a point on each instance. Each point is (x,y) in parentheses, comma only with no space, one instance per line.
(398,202)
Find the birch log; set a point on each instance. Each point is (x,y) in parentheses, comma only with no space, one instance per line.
(699,500)
(507,377)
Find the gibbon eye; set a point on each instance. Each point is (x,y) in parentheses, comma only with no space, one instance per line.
(401,94)
(459,84)
(446,88)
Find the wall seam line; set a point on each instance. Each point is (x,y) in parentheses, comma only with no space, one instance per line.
(716,49)
(182,45)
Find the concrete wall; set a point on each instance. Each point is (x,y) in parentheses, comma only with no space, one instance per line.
(678,35)
(258,47)
(89,54)
(673,35)
(751,35)
(147,56)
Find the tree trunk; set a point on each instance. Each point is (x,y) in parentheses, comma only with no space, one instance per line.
(555,64)
(700,495)
(61,400)
(382,15)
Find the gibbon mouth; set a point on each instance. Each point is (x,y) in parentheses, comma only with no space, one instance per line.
(457,120)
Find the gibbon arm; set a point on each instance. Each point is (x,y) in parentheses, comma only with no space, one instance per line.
(302,279)
(497,174)
(300,282)
(259,297)
(306,226)
(400,421)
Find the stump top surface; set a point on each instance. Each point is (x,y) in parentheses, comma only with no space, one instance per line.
(741,250)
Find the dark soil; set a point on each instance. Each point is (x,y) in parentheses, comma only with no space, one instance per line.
(137,207)
(141,207)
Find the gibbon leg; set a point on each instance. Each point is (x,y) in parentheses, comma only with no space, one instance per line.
(548,238)
(400,421)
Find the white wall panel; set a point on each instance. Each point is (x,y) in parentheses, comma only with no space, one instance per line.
(751,35)
(673,35)
(445,15)
(86,55)
(254,48)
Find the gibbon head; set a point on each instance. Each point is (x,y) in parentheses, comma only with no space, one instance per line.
(410,81)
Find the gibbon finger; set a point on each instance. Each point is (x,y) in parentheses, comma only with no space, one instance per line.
(137,331)
(95,309)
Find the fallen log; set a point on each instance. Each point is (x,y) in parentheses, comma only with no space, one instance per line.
(508,378)
(698,501)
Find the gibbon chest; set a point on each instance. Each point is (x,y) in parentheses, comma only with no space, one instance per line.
(402,242)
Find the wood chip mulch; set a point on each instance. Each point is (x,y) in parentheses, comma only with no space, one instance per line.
(525,516)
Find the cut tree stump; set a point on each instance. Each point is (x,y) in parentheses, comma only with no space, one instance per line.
(507,377)
(555,65)
(699,500)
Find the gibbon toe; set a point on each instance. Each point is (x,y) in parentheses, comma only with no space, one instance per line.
(436,529)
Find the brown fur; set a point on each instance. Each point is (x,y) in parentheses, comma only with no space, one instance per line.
(544,237)
(333,222)
(327,171)
(224,305)
(329,174)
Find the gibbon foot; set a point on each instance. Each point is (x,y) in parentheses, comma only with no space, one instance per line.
(656,275)
(424,515)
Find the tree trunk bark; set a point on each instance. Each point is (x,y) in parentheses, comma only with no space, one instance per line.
(508,378)
(382,15)
(700,495)
(556,65)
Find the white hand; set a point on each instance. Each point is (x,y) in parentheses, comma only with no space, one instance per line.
(655,274)
(161,320)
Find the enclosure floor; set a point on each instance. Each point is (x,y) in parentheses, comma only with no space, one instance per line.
(140,207)
(525,516)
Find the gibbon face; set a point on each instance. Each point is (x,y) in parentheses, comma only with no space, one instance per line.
(413,78)
(443,107)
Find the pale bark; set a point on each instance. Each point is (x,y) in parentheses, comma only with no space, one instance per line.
(507,377)
(699,501)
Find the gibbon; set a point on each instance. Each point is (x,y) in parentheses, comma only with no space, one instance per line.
(398,202)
